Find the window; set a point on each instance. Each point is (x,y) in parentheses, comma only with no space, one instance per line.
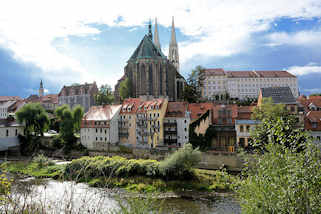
(185,121)
(7,133)
(185,129)
(96,138)
(314,125)
(105,131)
(16,132)
(241,128)
(248,128)
(96,130)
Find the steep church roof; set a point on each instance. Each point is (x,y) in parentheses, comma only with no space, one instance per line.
(146,49)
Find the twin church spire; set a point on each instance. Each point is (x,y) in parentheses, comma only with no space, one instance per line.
(173,47)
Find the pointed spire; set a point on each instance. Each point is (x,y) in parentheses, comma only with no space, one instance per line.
(41,90)
(173,36)
(150,29)
(173,48)
(41,85)
(156,36)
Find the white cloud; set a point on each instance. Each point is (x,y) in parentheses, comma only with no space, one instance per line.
(301,38)
(307,69)
(216,28)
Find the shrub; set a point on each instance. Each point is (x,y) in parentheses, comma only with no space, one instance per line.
(180,163)
(42,161)
(282,181)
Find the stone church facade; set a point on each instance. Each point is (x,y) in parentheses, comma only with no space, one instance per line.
(150,73)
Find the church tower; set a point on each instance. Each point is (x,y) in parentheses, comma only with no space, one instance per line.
(156,36)
(173,48)
(41,90)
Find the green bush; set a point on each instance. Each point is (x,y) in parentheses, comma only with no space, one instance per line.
(282,181)
(180,163)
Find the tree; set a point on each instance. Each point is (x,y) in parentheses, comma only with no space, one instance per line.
(35,118)
(69,122)
(124,89)
(104,96)
(192,90)
(77,113)
(277,126)
(281,181)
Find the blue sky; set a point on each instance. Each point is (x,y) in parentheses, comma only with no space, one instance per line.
(65,42)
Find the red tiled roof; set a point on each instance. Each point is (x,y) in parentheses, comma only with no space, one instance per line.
(87,88)
(150,104)
(50,98)
(176,109)
(133,103)
(9,98)
(247,74)
(198,109)
(312,117)
(245,112)
(315,100)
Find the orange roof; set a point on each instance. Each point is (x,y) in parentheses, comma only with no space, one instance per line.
(50,98)
(233,109)
(313,117)
(150,105)
(176,109)
(197,109)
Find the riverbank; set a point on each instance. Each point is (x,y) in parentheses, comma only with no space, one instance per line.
(203,183)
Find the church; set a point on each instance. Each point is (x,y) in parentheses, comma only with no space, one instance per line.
(150,73)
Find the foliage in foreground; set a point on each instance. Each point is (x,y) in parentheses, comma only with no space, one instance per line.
(277,126)
(283,181)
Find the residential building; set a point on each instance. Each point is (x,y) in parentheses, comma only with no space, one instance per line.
(311,103)
(223,124)
(150,73)
(244,84)
(5,108)
(9,132)
(312,123)
(49,101)
(149,123)
(99,127)
(127,121)
(83,95)
(243,131)
(176,124)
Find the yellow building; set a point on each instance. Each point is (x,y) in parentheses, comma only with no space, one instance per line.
(149,123)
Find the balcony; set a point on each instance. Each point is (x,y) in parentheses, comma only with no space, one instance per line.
(170,141)
(172,124)
(170,132)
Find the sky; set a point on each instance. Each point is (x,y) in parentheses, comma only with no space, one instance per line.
(77,41)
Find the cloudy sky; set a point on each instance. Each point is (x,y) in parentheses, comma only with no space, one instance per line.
(77,41)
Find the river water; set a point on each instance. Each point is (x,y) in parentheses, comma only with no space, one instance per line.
(80,198)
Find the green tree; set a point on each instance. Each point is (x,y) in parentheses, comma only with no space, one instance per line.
(34,117)
(104,96)
(124,89)
(192,90)
(69,123)
(78,113)
(277,126)
(281,181)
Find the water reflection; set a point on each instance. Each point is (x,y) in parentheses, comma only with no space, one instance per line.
(79,198)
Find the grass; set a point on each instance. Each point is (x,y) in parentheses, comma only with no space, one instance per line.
(33,169)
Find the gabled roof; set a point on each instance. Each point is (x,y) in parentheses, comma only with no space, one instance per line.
(176,109)
(146,49)
(313,117)
(87,88)
(198,109)
(130,106)
(279,95)
(102,113)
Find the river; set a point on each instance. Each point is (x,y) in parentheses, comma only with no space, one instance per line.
(80,198)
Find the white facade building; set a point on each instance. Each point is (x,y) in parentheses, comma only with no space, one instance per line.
(99,127)
(4,108)
(9,132)
(244,84)
(176,124)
